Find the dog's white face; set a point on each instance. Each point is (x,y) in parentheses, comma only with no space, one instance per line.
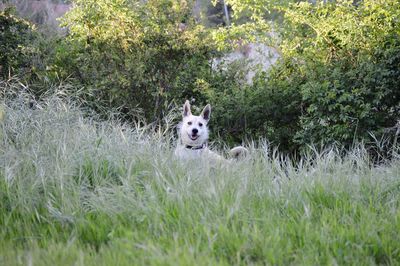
(193,129)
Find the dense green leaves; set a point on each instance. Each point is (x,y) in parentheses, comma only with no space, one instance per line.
(16,48)
(338,80)
(135,54)
(348,55)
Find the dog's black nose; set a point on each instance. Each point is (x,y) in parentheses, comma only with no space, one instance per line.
(195,131)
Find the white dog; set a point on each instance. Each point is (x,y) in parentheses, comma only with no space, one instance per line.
(193,137)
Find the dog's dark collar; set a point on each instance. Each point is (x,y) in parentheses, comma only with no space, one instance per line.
(195,147)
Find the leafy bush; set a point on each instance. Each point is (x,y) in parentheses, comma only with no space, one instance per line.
(345,103)
(349,57)
(266,109)
(135,54)
(16,49)
(337,82)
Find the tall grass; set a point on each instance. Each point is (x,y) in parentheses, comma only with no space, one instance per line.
(78,191)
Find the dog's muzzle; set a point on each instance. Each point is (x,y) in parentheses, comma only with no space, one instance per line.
(193,136)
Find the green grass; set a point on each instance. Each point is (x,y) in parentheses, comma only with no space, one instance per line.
(74,191)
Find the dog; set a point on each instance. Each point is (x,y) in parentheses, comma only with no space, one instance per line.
(193,137)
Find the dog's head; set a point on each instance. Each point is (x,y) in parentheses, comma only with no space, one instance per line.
(193,129)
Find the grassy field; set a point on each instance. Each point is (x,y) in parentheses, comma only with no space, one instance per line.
(75,191)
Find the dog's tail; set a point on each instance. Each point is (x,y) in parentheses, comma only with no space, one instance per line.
(238,152)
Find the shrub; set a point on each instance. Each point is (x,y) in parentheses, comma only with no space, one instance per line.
(337,81)
(349,57)
(266,109)
(344,103)
(135,54)
(16,49)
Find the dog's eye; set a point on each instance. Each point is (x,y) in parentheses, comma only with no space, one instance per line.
(189,123)
(200,124)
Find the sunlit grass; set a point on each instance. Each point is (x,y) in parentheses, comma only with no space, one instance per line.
(76,191)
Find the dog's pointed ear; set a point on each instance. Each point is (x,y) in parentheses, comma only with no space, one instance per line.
(206,112)
(186,109)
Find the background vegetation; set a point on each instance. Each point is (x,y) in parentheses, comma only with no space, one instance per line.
(337,80)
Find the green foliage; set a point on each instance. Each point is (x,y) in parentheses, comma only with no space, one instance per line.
(338,79)
(135,54)
(348,56)
(267,109)
(16,49)
(345,103)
